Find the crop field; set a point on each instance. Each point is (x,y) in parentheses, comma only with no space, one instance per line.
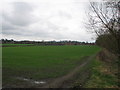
(41,62)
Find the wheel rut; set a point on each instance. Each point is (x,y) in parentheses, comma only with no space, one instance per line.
(58,82)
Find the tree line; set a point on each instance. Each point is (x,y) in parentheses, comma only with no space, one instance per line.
(11,41)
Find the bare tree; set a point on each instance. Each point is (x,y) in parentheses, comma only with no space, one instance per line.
(104,18)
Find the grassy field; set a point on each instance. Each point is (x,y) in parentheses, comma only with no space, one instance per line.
(42,62)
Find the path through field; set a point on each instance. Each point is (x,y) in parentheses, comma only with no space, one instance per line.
(47,66)
(62,81)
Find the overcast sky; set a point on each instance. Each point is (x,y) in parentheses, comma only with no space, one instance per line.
(45,20)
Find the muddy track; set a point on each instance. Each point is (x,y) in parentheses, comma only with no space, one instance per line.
(79,74)
(59,82)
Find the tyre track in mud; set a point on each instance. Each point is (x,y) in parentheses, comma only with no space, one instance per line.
(59,82)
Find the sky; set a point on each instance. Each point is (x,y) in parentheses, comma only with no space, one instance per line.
(45,20)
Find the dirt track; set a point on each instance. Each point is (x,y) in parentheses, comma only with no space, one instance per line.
(60,82)
(79,74)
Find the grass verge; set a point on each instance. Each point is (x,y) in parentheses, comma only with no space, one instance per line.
(101,77)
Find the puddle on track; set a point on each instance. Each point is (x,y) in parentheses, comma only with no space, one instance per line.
(39,82)
(31,81)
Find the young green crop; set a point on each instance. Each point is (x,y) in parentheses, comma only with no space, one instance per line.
(41,62)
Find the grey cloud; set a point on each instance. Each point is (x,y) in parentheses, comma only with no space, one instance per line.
(44,29)
(21,14)
(6,25)
(65,14)
(22,7)
(54,23)
(20,17)
(11,32)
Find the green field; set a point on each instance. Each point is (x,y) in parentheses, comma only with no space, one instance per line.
(42,62)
